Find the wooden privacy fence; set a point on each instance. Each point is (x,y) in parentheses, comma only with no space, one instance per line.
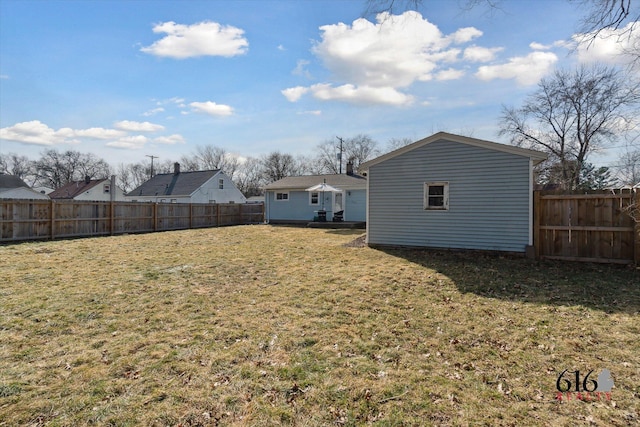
(594,227)
(48,219)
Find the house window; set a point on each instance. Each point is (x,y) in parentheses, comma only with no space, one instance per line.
(106,188)
(174,200)
(221,184)
(283,197)
(436,196)
(314,198)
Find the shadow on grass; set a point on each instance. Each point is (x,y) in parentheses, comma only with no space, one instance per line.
(610,288)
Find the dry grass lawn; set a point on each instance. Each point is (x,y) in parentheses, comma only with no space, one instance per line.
(261,325)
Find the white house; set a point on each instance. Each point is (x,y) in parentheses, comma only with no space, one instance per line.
(12,187)
(451,191)
(212,186)
(98,190)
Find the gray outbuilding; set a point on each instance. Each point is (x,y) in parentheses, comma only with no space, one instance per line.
(452,191)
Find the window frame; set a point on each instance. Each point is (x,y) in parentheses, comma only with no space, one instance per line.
(445,196)
(106,188)
(317,195)
(221,184)
(281,193)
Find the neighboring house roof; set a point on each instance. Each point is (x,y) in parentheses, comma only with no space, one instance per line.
(305,181)
(74,188)
(537,156)
(174,184)
(11,181)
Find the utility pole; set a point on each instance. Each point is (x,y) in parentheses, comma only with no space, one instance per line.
(152,157)
(340,154)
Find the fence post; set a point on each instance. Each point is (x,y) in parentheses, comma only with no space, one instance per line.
(155,216)
(537,210)
(635,199)
(112,220)
(53,217)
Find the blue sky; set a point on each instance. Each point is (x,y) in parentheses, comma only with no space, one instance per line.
(126,79)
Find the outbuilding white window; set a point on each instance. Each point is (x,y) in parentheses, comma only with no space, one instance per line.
(106,188)
(282,197)
(436,196)
(221,184)
(314,198)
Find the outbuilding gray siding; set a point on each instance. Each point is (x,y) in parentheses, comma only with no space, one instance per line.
(489,198)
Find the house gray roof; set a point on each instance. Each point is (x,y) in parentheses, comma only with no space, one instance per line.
(536,156)
(174,184)
(11,181)
(74,188)
(342,182)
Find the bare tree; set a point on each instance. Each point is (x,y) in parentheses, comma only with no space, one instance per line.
(358,149)
(277,165)
(210,157)
(395,143)
(628,168)
(570,115)
(361,148)
(132,175)
(17,165)
(55,168)
(248,178)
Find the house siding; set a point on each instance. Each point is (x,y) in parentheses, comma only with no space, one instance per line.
(488,199)
(297,208)
(355,208)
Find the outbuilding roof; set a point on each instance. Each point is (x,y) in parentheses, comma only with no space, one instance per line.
(536,156)
(301,182)
(174,184)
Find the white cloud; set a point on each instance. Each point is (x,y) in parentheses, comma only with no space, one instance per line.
(450,74)
(33,132)
(371,61)
(37,133)
(211,108)
(97,133)
(4,76)
(301,68)
(526,70)
(201,39)
(281,48)
(464,35)
(539,46)
(130,142)
(394,52)
(311,113)
(293,94)
(131,126)
(360,94)
(480,54)
(153,112)
(170,139)
(610,46)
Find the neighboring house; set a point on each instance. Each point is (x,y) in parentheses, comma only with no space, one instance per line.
(12,187)
(287,200)
(211,186)
(451,191)
(95,190)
